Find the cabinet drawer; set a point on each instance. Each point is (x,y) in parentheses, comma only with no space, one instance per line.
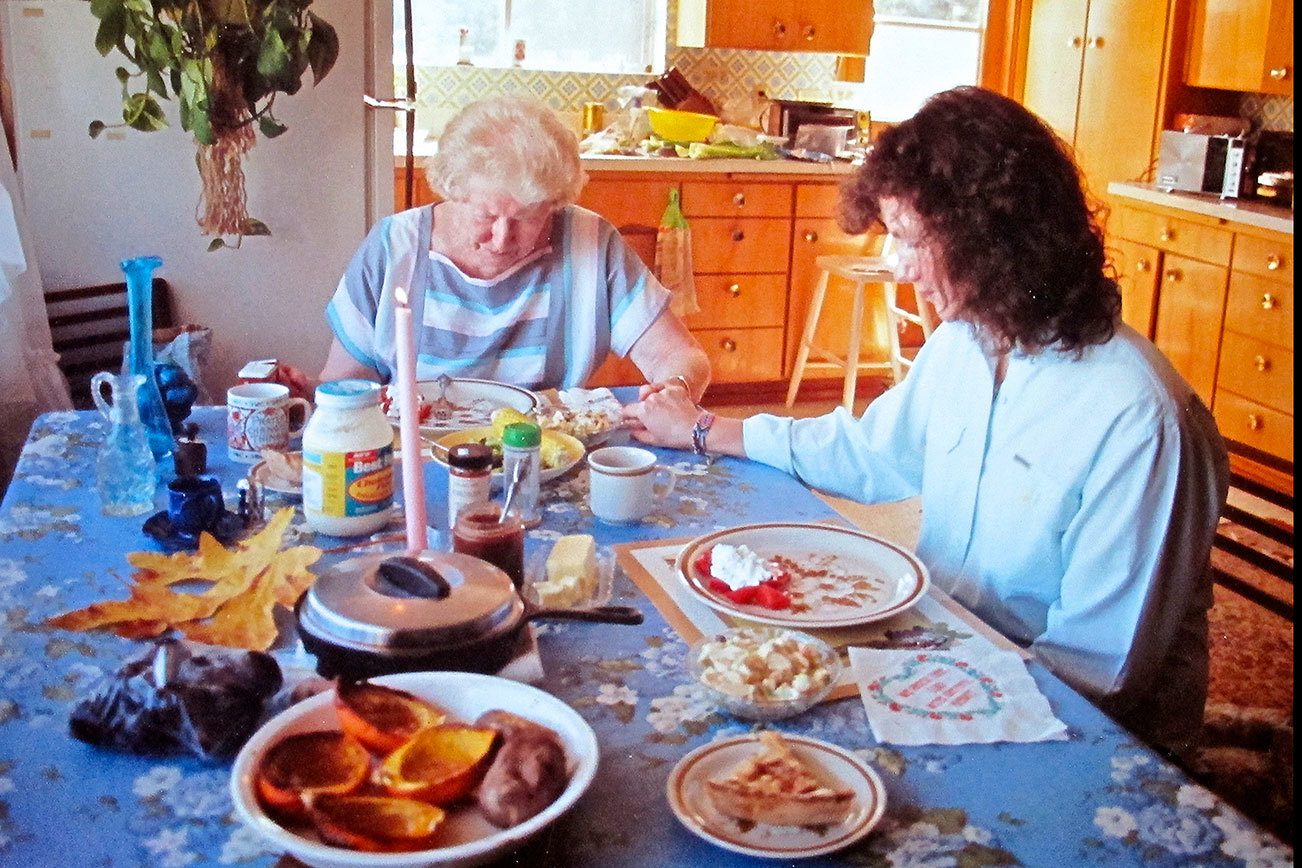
(747,300)
(628,204)
(1251,423)
(1178,236)
(1261,308)
(1255,370)
(817,200)
(743,355)
(1264,257)
(739,246)
(714,199)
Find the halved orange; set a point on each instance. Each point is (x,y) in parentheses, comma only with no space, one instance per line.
(382,718)
(439,765)
(310,763)
(376,824)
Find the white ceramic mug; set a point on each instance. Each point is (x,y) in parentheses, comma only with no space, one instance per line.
(623,483)
(257,418)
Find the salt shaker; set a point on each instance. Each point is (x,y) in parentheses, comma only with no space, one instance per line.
(470,470)
(521,442)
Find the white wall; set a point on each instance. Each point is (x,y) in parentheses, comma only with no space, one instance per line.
(95,202)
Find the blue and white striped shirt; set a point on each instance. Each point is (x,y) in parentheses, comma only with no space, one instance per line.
(548,321)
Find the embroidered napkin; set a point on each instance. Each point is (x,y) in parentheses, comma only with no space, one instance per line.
(974,695)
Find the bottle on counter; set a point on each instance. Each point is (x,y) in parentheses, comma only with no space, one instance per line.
(521,469)
(348,460)
(470,471)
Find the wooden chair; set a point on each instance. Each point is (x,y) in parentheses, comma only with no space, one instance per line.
(859,271)
(89,327)
(1273,520)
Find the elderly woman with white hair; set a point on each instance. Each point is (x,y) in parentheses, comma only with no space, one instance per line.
(508,279)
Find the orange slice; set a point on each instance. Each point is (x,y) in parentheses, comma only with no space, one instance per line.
(382,718)
(439,765)
(307,764)
(376,824)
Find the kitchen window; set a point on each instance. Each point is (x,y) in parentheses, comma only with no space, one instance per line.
(574,36)
(920,47)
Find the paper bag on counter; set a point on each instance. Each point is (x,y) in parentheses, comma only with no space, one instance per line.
(673,265)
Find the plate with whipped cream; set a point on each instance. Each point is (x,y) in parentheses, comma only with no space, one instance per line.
(805,576)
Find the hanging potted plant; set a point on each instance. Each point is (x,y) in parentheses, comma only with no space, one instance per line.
(224,61)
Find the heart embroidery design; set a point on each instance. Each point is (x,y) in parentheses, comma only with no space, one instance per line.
(939,687)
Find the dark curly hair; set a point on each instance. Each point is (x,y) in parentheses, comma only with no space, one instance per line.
(1002,205)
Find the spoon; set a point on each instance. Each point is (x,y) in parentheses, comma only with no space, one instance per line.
(517,471)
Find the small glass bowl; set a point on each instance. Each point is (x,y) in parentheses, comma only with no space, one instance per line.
(535,571)
(766,709)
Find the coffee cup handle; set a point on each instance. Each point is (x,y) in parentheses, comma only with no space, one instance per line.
(307,414)
(664,489)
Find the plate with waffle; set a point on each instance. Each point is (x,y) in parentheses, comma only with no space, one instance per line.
(776,796)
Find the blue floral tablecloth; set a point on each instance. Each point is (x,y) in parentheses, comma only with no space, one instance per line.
(1099,798)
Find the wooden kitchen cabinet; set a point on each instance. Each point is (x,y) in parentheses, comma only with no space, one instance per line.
(1095,71)
(1191,303)
(633,206)
(839,26)
(1136,266)
(1244,45)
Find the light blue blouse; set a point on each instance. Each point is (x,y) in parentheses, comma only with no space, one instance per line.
(1072,508)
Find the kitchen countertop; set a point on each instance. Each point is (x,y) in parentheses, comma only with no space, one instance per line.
(1246,211)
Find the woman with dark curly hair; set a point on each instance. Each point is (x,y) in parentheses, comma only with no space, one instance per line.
(1071,480)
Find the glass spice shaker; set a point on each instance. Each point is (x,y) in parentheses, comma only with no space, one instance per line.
(521,442)
(470,471)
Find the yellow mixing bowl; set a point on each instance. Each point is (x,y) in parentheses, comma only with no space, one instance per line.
(675,126)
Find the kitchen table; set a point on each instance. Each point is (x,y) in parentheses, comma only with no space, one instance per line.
(1098,798)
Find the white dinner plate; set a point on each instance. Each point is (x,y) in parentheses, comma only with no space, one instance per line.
(261,474)
(840,577)
(574,452)
(690,801)
(469,838)
(470,403)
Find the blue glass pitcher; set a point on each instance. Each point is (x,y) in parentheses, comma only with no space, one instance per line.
(140,352)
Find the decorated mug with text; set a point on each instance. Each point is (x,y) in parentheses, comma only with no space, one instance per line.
(258,417)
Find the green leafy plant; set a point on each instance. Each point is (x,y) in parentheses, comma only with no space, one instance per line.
(225,61)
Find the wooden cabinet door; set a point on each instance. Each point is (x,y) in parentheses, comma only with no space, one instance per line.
(1242,45)
(634,207)
(1055,55)
(766,25)
(815,237)
(833,25)
(1116,122)
(1136,266)
(1190,309)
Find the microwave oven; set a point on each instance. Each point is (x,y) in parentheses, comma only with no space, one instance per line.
(786,116)
(1198,163)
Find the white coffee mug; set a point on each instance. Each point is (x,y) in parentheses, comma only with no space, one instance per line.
(257,418)
(624,483)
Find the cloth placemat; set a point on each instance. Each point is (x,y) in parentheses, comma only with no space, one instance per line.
(935,623)
(975,695)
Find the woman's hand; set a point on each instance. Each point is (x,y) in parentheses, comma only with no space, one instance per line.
(299,385)
(663,416)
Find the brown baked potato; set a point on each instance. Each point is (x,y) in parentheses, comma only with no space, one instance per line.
(528,773)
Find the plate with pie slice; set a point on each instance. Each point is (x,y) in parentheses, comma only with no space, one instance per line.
(805,576)
(776,796)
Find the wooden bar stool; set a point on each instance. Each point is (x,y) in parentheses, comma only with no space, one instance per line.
(859,271)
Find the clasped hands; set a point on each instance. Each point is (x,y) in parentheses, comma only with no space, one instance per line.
(663,415)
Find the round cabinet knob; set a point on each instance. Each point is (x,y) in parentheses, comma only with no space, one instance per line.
(1261,363)
(1274,262)
(1174,275)
(1167,234)
(739,199)
(779,30)
(811,236)
(1143,265)
(734,290)
(1279,73)
(738,235)
(1255,422)
(728,344)
(1076,41)
(808,33)
(1097,42)
(1267,301)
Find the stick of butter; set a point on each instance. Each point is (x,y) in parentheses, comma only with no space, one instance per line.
(574,555)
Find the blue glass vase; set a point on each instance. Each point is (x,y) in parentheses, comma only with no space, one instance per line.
(140,352)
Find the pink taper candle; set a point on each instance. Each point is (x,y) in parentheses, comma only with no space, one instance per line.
(413,478)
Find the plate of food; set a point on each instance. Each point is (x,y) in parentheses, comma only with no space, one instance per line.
(416,769)
(455,403)
(776,796)
(281,472)
(558,452)
(589,415)
(764,673)
(806,576)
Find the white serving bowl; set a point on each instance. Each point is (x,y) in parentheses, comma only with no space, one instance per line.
(471,839)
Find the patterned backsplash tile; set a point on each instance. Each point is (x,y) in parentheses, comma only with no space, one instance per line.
(1274,112)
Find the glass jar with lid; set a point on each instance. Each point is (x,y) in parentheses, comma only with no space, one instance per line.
(348,460)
